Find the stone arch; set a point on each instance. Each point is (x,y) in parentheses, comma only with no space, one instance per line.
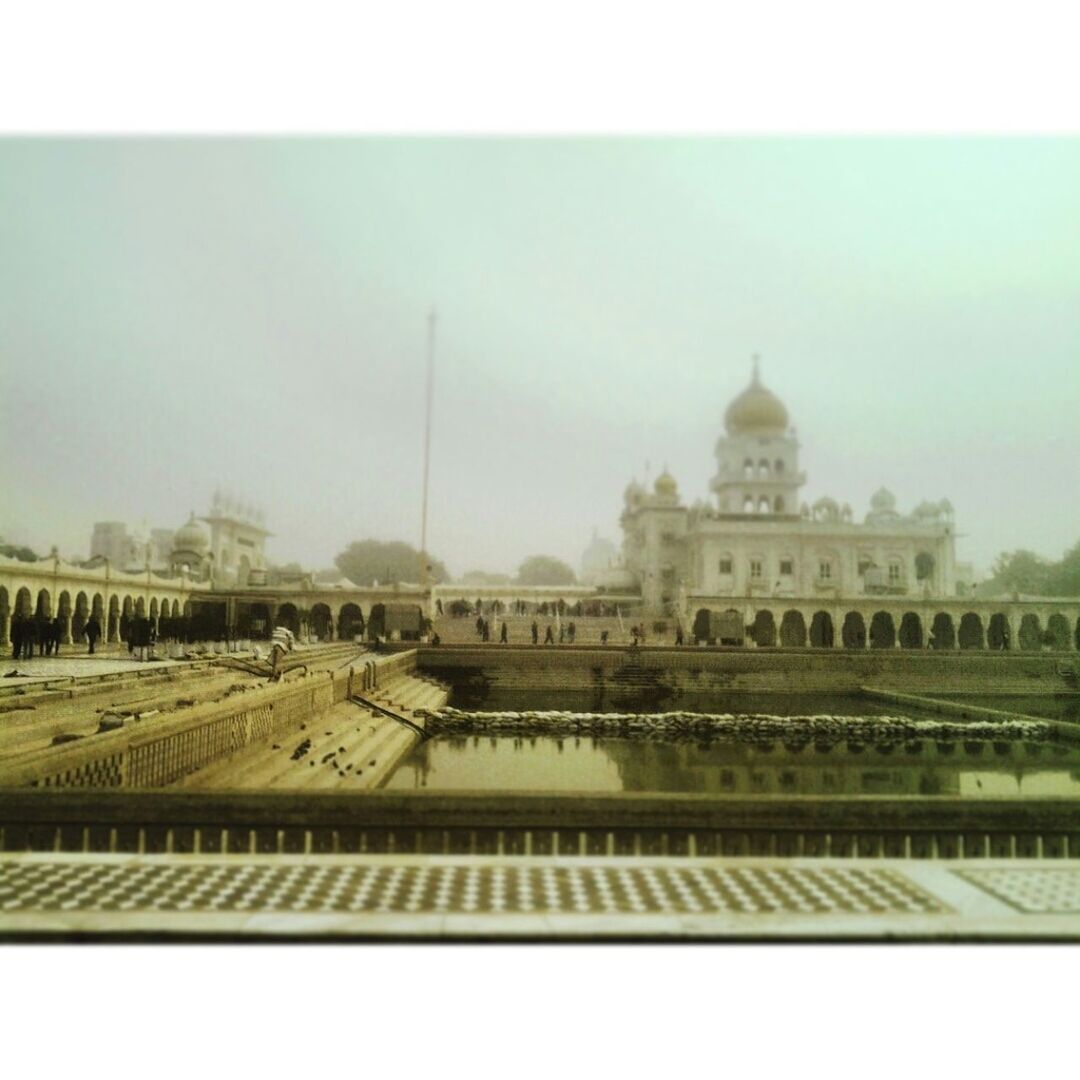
(113,628)
(764,628)
(288,616)
(80,616)
(322,621)
(997,632)
(924,566)
(911,631)
(5,614)
(942,631)
(350,622)
(778,467)
(1030,633)
(154,612)
(822,633)
(23,604)
(853,632)
(748,504)
(176,609)
(1057,632)
(702,625)
(63,611)
(763,469)
(763,506)
(793,630)
(748,469)
(256,621)
(127,613)
(43,607)
(778,504)
(970,634)
(882,631)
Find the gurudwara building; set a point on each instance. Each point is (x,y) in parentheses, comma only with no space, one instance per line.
(757,538)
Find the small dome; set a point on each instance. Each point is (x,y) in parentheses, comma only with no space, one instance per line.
(191,537)
(633,491)
(665,484)
(756,411)
(883,499)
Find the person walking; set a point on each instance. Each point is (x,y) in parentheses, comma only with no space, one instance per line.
(93,632)
(535,632)
(504,635)
(282,641)
(549,637)
(562,634)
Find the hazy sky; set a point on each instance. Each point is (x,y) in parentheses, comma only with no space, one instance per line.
(177,315)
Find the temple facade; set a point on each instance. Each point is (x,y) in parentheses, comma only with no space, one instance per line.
(757,538)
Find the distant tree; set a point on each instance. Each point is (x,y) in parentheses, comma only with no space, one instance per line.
(18,551)
(545,570)
(386,561)
(289,568)
(1022,572)
(1064,577)
(482,577)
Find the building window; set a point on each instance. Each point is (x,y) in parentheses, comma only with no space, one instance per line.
(748,504)
(756,569)
(748,469)
(763,468)
(725,566)
(865,562)
(778,468)
(763,505)
(825,570)
(894,572)
(787,567)
(667,538)
(778,506)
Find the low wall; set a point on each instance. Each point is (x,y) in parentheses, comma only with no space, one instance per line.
(537,823)
(153,753)
(661,676)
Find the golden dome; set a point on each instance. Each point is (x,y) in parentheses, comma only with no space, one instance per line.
(665,484)
(191,537)
(756,410)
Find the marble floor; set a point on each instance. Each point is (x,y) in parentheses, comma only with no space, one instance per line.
(415,896)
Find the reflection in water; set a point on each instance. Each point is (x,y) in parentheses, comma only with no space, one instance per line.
(587,763)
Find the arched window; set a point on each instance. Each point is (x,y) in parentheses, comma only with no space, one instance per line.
(763,468)
(763,505)
(778,504)
(896,572)
(748,504)
(778,468)
(748,469)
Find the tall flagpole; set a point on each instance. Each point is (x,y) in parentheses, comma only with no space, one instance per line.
(427,448)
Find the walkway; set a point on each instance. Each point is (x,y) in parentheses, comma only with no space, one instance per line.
(415,896)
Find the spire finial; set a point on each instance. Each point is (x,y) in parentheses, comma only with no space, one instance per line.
(757,369)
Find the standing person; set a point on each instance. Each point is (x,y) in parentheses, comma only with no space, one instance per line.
(603,637)
(479,626)
(678,635)
(562,634)
(42,635)
(31,638)
(486,633)
(571,632)
(282,641)
(549,637)
(17,631)
(93,632)
(535,632)
(504,634)
(56,634)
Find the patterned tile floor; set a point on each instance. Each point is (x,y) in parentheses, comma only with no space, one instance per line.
(478,888)
(1054,890)
(534,897)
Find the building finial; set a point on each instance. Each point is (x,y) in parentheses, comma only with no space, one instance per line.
(757,370)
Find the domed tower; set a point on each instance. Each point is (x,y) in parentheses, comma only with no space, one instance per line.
(190,546)
(758,457)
